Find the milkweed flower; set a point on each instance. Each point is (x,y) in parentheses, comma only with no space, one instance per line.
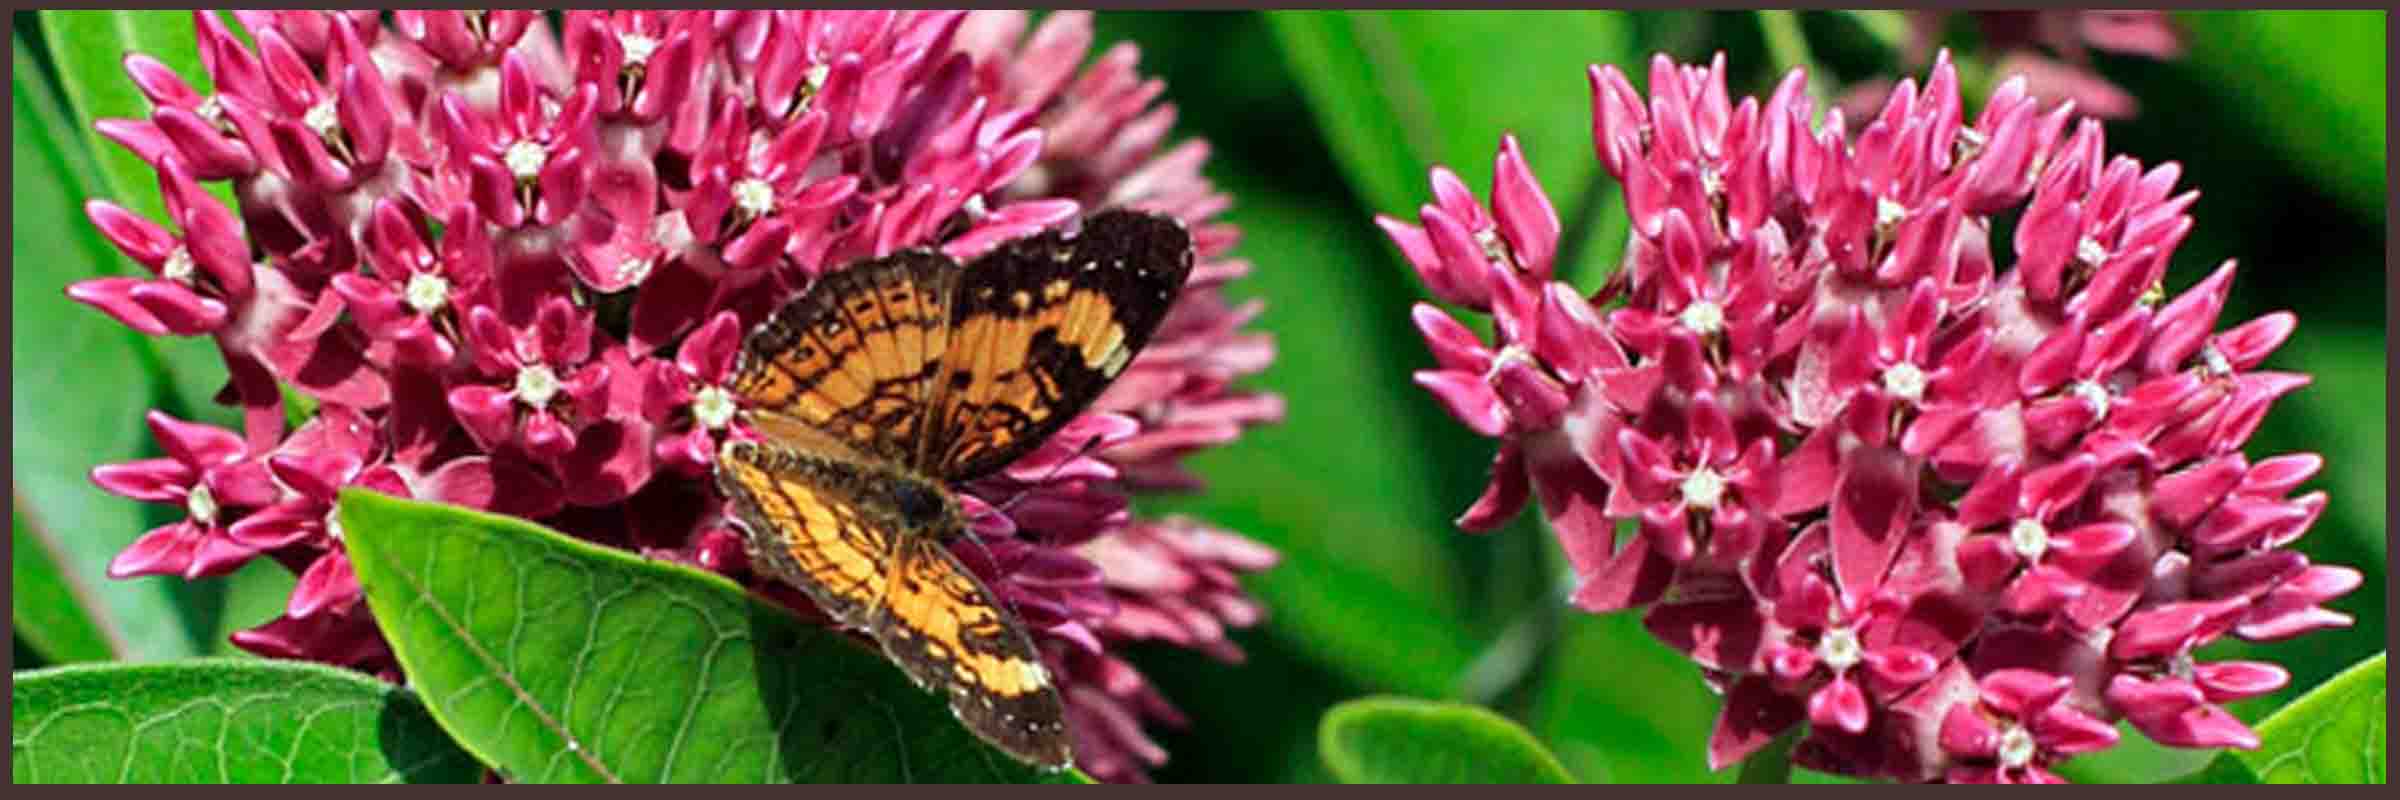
(510,268)
(1955,514)
(2052,48)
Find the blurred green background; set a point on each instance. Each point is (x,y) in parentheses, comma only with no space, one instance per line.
(1319,120)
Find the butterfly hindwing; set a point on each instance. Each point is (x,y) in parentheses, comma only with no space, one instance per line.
(856,355)
(808,524)
(1041,326)
(946,629)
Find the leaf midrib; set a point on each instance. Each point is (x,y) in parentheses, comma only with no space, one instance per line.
(492,667)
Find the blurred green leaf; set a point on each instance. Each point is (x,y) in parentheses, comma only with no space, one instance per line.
(2313,84)
(2333,734)
(1399,92)
(1401,740)
(560,661)
(224,721)
(1347,486)
(1619,707)
(81,388)
(89,48)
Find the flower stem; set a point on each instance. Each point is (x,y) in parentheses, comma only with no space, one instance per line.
(1772,763)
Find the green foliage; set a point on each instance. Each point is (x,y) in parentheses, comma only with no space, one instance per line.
(80,391)
(1401,740)
(2334,734)
(2313,83)
(1401,91)
(224,721)
(558,661)
(89,48)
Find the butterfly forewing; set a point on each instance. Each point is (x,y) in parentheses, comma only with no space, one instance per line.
(1043,324)
(855,356)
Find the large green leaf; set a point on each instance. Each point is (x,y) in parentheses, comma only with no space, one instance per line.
(1403,740)
(555,660)
(1347,486)
(2333,734)
(1621,708)
(1398,92)
(224,721)
(2313,83)
(89,48)
(81,388)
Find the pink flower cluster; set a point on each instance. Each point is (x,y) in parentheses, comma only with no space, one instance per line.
(1957,515)
(510,270)
(2051,48)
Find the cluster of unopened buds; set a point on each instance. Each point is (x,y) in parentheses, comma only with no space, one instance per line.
(1957,515)
(510,269)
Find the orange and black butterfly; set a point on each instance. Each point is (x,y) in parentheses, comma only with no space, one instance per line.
(889,382)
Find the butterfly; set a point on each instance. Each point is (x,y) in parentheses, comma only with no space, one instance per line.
(885,384)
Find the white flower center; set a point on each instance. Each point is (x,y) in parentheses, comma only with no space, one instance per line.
(178,266)
(637,48)
(634,270)
(201,505)
(333,524)
(712,406)
(2029,539)
(1888,213)
(1493,248)
(816,77)
(1703,488)
(2214,361)
(1838,649)
(426,292)
(323,119)
(525,160)
(974,208)
(755,197)
(211,110)
(1904,381)
(2089,251)
(2016,747)
(2093,395)
(2180,666)
(536,384)
(1703,317)
(1970,143)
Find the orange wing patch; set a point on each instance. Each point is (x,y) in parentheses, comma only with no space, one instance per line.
(855,356)
(808,525)
(946,629)
(1043,325)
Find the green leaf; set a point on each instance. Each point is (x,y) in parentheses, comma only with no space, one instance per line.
(1402,740)
(224,721)
(1401,91)
(560,661)
(2333,734)
(81,388)
(2313,85)
(1345,487)
(1620,707)
(89,48)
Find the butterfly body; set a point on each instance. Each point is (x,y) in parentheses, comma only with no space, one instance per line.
(893,380)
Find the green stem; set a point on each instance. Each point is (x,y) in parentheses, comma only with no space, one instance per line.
(1773,763)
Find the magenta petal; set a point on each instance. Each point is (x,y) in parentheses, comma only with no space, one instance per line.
(1753,715)
(277,526)
(1468,398)
(1839,705)
(1522,211)
(164,550)
(1872,505)
(329,583)
(1504,494)
(152,480)
(487,413)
